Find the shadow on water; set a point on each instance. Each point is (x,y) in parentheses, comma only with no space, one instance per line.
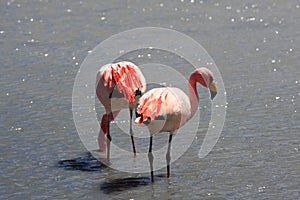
(89,163)
(84,163)
(122,184)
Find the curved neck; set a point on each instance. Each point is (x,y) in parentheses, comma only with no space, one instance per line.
(198,76)
(193,96)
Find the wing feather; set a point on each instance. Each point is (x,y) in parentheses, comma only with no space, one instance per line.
(125,77)
(157,102)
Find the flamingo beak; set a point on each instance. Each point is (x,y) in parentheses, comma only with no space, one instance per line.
(213,90)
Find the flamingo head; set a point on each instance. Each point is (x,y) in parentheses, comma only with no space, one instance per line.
(206,78)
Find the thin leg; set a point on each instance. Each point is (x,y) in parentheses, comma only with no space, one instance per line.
(168,156)
(150,157)
(108,139)
(131,133)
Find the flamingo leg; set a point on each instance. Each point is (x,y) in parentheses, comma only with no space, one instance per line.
(108,136)
(131,132)
(150,157)
(104,137)
(168,156)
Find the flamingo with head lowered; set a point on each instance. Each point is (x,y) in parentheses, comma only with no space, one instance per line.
(167,109)
(118,86)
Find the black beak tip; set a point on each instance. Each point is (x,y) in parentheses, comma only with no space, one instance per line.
(213,95)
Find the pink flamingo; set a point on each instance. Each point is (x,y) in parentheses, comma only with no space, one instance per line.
(167,109)
(118,86)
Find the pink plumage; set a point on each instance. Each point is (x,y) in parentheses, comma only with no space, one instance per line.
(126,79)
(151,105)
(167,109)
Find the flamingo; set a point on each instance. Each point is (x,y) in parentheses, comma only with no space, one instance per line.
(118,86)
(167,109)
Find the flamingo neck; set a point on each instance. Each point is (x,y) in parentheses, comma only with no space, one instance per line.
(193,95)
(198,76)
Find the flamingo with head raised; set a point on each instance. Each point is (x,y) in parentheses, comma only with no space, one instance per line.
(118,86)
(167,109)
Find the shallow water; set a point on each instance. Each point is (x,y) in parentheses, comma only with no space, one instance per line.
(256,48)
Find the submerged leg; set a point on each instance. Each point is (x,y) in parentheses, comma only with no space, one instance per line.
(131,132)
(150,157)
(168,156)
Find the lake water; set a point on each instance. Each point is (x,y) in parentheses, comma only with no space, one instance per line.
(256,48)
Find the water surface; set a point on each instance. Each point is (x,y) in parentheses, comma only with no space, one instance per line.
(256,47)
